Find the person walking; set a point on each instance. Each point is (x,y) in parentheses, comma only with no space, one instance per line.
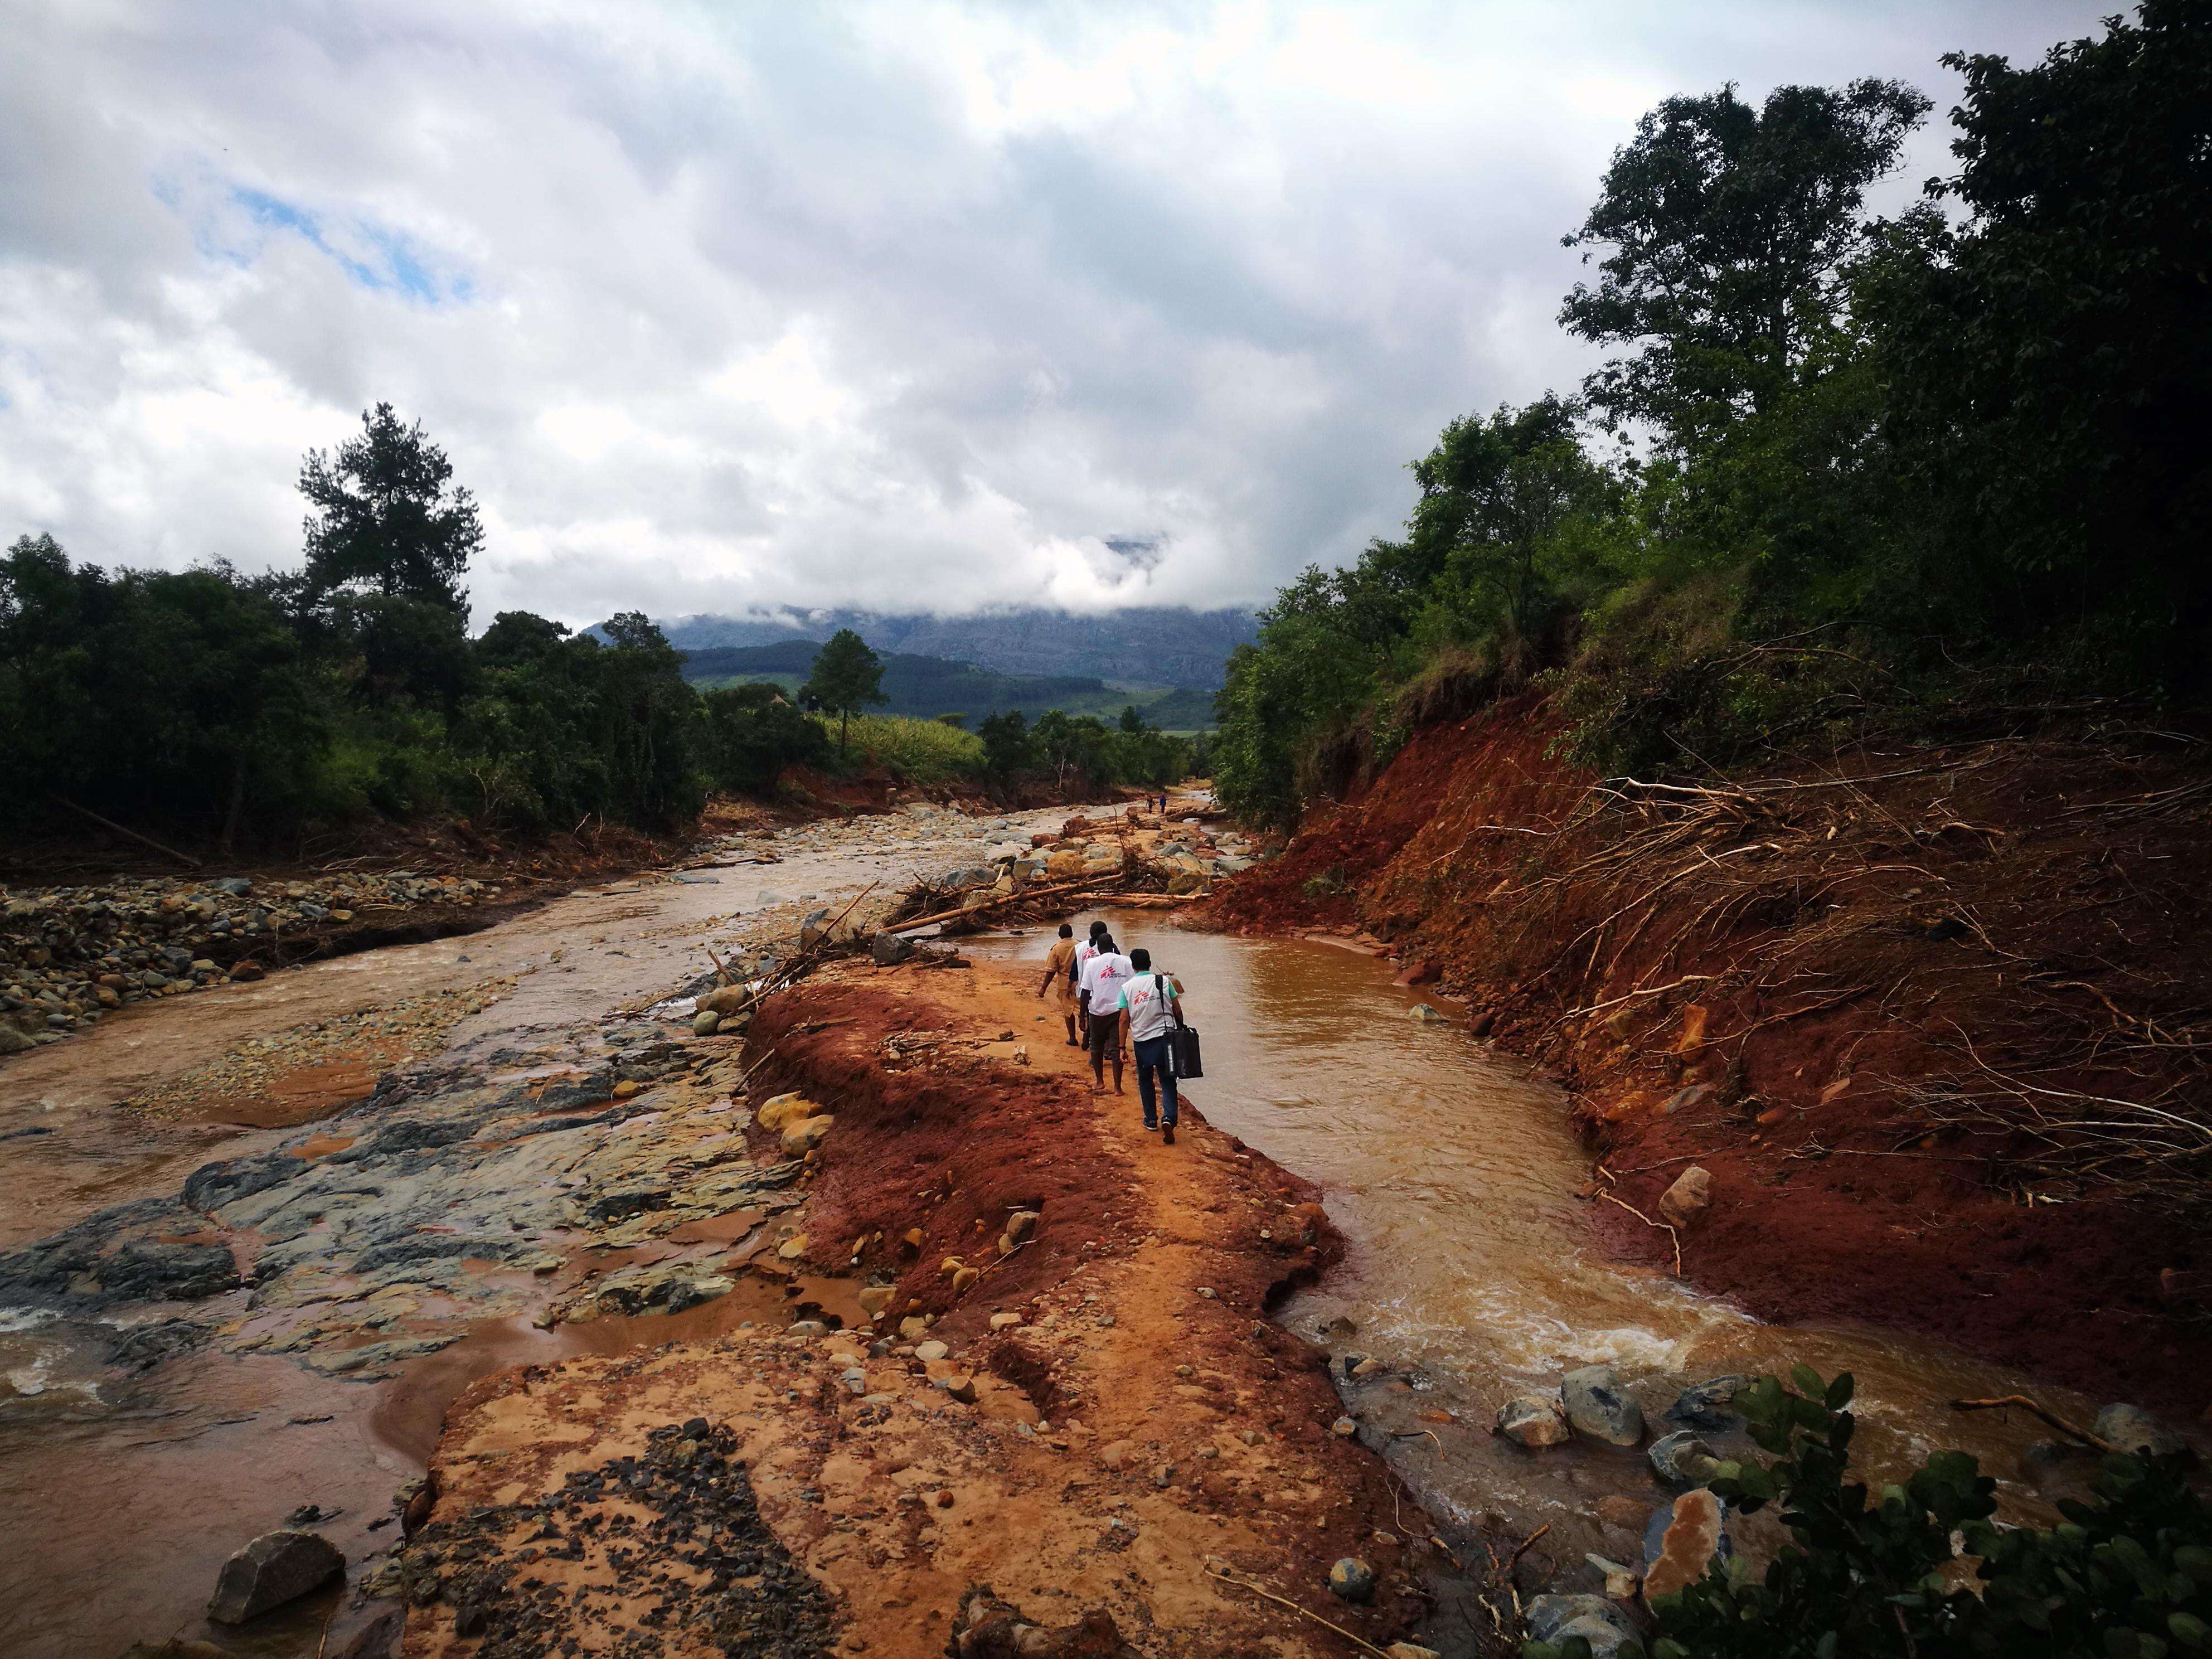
(1150,1004)
(1059,979)
(1084,952)
(1100,994)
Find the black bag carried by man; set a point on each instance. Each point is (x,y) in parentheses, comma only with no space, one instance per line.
(1183,1044)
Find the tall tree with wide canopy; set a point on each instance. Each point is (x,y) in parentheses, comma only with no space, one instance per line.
(386,517)
(1729,227)
(847,677)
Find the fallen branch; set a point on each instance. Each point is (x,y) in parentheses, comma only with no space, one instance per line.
(2069,1430)
(1281,1601)
(110,823)
(1649,1222)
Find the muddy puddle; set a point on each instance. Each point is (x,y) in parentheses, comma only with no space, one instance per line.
(1471,1273)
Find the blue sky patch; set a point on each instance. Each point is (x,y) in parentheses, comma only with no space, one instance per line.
(374,256)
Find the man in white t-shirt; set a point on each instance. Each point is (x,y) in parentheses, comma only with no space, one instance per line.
(1099,991)
(1084,952)
(1150,1004)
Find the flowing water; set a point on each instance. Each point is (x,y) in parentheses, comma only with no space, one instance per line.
(1471,1270)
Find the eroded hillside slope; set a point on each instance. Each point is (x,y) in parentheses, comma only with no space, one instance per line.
(1933,1016)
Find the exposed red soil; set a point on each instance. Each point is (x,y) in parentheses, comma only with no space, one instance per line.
(1861,968)
(1136,1423)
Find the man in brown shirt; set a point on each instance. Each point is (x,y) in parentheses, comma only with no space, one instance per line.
(1057,974)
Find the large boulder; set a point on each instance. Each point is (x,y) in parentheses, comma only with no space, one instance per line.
(2132,1429)
(1600,1407)
(803,1136)
(1706,1405)
(1528,1420)
(1596,1620)
(723,999)
(1681,1459)
(275,1567)
(784,1109)
(1683,1203)
(1682,1541)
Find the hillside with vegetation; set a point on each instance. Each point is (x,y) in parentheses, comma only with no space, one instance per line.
(1840,473)
(939,688)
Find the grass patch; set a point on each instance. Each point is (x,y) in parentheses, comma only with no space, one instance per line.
(927,751)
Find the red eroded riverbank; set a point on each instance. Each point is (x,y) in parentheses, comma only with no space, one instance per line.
(1875,997)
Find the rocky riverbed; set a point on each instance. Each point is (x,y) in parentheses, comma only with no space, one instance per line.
(218,1325)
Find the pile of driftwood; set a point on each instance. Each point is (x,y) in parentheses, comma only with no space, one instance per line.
(1132,887)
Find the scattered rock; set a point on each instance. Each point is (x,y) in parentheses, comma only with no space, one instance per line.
(2133,1429)
(725,1000)
(803,1136)
(706,1023)
(1423,1012)
(962,1389)
(1022,1225)
(275,1567)
(1004,1321)
(1528,1420)
(1598,1407)
(1682,1204)
(1681,1459)
(889,950)
(962,1279)
(1706,1405)
(1343,1428)
(1554,1618)
(930,1350)
(1681,1540)
(1351,1580)
(247,971)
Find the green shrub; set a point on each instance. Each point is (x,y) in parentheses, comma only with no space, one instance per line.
(2128,1575)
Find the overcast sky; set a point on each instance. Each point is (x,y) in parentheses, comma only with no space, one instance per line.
(914,305)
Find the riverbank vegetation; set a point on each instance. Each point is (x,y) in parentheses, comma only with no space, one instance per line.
(2126,1575)
(1843,469)
(238,710)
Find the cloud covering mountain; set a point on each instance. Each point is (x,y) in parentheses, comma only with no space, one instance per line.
(914,307)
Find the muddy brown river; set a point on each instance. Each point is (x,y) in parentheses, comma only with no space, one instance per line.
(1471,1275)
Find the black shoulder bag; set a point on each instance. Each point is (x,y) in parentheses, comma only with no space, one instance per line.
(1183,1040)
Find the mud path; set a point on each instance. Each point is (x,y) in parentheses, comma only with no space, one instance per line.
(1095,1419)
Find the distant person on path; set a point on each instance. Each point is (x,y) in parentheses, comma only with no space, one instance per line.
(1060,978)
(1101,996)
(1150,1003)
(1084,952)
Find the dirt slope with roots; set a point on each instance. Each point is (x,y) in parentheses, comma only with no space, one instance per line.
(1934,1016)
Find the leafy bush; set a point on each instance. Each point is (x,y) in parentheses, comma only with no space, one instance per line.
(2128,1575)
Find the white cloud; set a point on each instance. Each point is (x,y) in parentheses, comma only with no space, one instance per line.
(910,305)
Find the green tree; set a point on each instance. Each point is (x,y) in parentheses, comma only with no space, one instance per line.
(1730,228)
(847,677)
(1005,745)
(386,517)
(2049,360)
(753,732)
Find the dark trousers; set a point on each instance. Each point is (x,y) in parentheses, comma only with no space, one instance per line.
(1153,1056)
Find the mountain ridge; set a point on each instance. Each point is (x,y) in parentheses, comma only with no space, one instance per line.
(1162,645)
